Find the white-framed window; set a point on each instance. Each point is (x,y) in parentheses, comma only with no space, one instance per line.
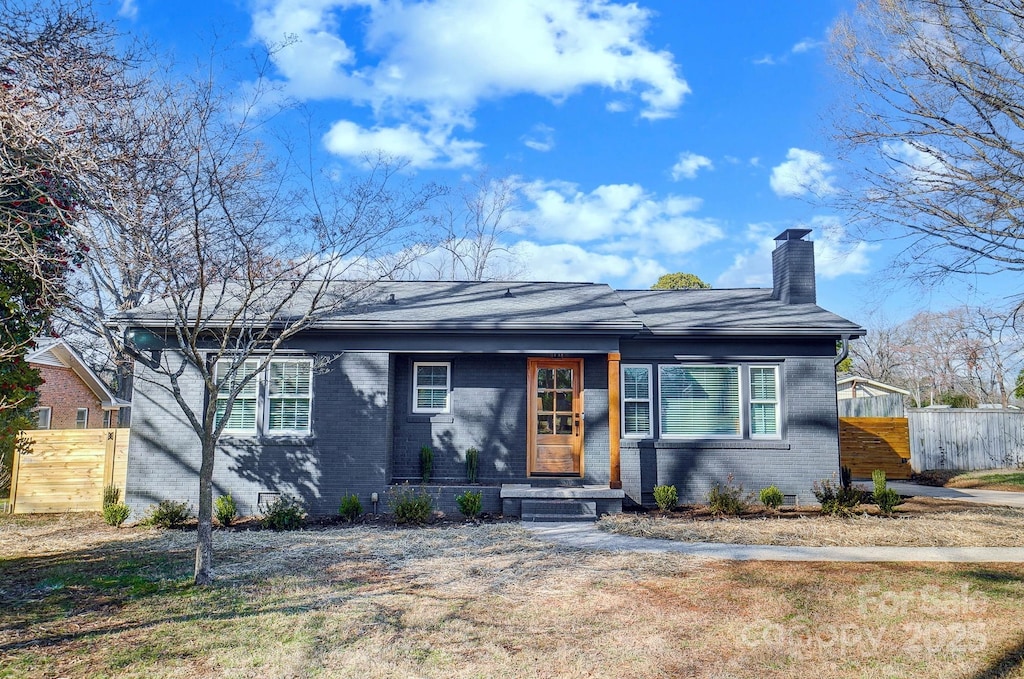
(82,418)
(636,401)
(764,401)
(242,419)
(43,417)
(289,395)
(431,387)
(107,418)
(699,401)
(277,401)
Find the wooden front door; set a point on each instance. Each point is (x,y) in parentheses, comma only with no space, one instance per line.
(555,392)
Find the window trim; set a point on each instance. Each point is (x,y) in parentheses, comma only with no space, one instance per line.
(78,414)
(777,402)
(49,416)
(649,400)
(265,380)
(416,387)
(697,437)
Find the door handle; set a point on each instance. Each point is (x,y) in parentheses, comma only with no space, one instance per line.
(576,421)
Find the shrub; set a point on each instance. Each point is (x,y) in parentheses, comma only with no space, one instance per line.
(410,505)
(771,497)
(878,478)
(666,497)
(426,463)
(845,477)
(471,503)
(284,513)
(837,500)
(116,513)
(350,508)
(225,510)
(472,464)
(887,499)
(168,514)
(111,495)
(728,499)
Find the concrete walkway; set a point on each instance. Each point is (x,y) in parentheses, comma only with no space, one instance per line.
(985,497)
(587,536)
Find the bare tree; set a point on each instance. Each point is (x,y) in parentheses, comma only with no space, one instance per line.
(470,226)
(59,80)
(239,258)
(936,119)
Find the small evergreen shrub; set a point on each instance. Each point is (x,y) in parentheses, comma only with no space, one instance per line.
(837,500)
(878,479)
(284,513)
(771,497)
(168,514)
(887,499)
(426,463)
(728,499)
(350,508)
(666,498)
(225,510)
(470,503)
(410,505)
(116,513)
(111,495)
(472,464)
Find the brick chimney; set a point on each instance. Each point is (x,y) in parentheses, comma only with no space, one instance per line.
(793,268)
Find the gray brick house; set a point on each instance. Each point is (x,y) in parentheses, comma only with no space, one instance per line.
(570,391)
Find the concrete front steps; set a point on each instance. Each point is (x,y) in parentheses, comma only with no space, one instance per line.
(559,503)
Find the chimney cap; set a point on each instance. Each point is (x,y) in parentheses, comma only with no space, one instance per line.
(792,234)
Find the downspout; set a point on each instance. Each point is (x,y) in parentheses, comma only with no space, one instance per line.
(845,351)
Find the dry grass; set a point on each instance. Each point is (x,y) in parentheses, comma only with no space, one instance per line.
(84,600)
(990,479)
(920,522)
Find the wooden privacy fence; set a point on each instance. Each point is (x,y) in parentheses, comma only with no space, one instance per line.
(65,470)
(966,439)
(886,405)
(870,443)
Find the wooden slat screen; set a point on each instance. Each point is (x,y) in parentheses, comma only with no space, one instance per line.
(870,443)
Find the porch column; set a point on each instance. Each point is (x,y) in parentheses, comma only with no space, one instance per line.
(614,421)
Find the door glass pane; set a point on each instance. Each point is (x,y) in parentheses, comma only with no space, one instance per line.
(563,424)
(546,401)
(545,424)
(564,401)
(545,378)
(564,378)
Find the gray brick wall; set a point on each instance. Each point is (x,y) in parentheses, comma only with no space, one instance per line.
(346,453)
(808,450)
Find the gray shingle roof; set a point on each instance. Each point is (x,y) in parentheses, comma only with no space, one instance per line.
(549,307)
(730,312)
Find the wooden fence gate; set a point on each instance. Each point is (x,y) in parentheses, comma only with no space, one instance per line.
(65,470)
(870,443)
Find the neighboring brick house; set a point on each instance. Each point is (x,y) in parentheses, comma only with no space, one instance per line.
(577,396)
(71,396)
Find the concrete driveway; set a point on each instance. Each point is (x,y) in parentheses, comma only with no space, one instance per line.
(985,497)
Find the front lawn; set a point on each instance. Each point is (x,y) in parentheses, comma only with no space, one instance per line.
(998,479)
(81,599)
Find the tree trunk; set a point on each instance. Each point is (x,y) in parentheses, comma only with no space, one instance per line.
(204,533)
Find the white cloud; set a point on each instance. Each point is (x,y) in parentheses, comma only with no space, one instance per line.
(766,60)
(835,254)
(624,217)
(689,165)
(570,262)
(803,172)
(422,148)
(432,63)
(541,138)
(617,106)
(129,10)
(806,45)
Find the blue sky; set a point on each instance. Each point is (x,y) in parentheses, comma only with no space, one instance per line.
(647,138)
